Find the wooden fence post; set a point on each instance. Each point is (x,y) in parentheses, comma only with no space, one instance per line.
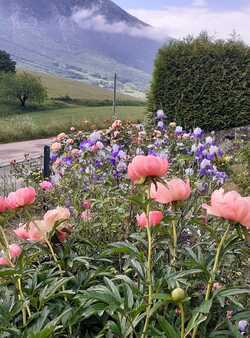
(46,162)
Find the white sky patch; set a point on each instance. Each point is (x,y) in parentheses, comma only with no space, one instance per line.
(179,22)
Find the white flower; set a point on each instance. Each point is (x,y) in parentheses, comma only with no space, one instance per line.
(160,114)
(209,140)
(213,150)
(189,172)
(178,130)
(205,163)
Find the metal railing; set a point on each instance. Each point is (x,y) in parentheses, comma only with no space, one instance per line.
(10,180)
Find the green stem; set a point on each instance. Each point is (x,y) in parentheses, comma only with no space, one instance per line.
(22,298)
(174,233)
(149,282)
(215,268)
(56,261)
(182,321)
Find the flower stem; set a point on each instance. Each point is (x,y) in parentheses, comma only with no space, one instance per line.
(174,233)
(56,261)
(215,268)
(22,298)
(149,282)
(182,321)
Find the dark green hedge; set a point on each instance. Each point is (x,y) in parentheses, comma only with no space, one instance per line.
(201,82)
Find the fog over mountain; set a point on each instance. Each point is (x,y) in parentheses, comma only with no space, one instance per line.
(83,39)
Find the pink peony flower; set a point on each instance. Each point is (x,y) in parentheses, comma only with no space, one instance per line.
(37,230)
(55,147)
(75,152)
(86,204)
(231,206)
(116,124)
(146,166)
(46,185)
(61,137)
(155,217)
(86,216)
(72,129)
(56,215)
(15,250)
(22,232)
(4,261)
(20,198)
(3,204)
(174,190)
(70,141)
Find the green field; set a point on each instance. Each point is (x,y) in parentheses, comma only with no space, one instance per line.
(86,102)
(58,87)
(44,123)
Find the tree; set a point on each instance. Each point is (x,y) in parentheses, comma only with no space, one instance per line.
(23,87)
(6,64)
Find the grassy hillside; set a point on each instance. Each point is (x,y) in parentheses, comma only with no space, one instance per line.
(44,123)
(88,103)
(59,87)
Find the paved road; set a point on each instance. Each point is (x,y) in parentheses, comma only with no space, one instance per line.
(16,151)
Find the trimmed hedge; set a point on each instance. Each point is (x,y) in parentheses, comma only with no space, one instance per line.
(201,82)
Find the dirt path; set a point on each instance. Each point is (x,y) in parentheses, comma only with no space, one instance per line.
(16,151)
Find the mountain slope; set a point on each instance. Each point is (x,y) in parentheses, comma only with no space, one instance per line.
(84,39)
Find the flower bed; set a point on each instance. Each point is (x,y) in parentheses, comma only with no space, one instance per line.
(132,236)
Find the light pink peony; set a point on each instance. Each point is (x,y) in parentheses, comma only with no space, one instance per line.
(46,185)
(22,232)
(20,198)
(155,217)
(146,166)
(61,137)
(116,124)
(3,204)
(231,206)
(38,230)
(15,250)
(4,261)
(55,147)
(174,190)
(56,215)
(86,216)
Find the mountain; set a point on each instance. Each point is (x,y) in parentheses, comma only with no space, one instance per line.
(87,40)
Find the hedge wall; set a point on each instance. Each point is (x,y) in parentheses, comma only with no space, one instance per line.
(201,82)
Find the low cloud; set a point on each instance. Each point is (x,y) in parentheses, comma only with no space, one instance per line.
(179,22)
(91,19)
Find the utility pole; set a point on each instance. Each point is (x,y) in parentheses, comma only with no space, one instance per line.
(114,98)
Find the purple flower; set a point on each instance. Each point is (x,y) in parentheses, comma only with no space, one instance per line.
(95,136)
(121,166)
(53,157)
(243,324)
(160,114)
(160,125)
(197,133)
(85,145)
(178,130)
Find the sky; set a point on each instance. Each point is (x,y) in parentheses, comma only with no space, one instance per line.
(178,18)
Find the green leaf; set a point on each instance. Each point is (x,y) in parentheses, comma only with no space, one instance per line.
(167,328)
(195,321)
(231,292)
(128,297)
(113,289)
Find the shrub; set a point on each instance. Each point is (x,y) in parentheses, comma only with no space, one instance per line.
(203,82)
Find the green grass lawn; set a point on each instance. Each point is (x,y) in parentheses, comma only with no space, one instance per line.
(44,123)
